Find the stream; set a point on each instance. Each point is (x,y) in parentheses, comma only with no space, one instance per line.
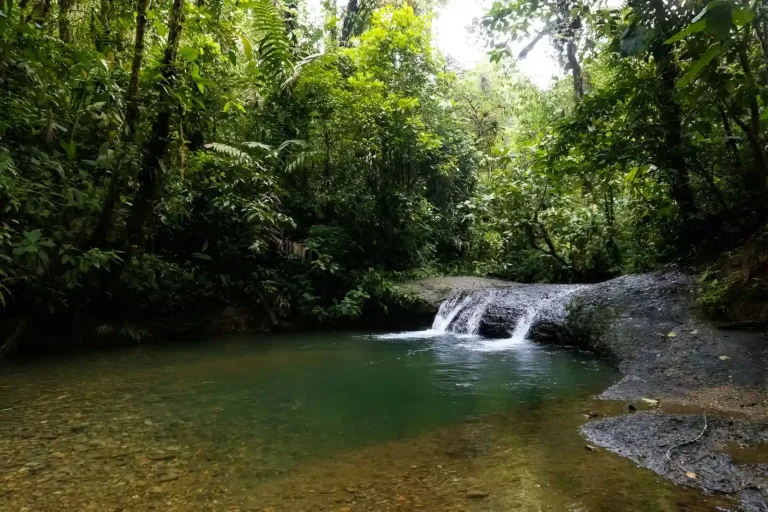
(436,420)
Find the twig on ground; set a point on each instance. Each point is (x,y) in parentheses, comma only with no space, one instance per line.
(686,443)
(743,487)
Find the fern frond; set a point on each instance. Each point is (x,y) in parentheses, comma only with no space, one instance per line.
(291,142)
(230,151)
(105,330)
(300,161)
(274,47)
(258,145)
(134,333)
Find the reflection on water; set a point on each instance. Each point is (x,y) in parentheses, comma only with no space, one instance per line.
(314,422)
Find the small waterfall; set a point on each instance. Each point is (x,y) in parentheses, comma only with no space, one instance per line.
(462,312)
(524,325)
(512,310)
(449,310)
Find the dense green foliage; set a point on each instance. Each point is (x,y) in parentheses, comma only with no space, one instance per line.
(652,149)
(183,158)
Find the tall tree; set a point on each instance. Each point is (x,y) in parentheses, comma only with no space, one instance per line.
(65,30)
(105,224)
(153,169)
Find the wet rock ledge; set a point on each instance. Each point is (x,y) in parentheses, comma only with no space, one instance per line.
(647,325)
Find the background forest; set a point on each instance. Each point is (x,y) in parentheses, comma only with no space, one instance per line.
(179,163)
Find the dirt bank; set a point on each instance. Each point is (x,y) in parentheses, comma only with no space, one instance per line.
(434,290)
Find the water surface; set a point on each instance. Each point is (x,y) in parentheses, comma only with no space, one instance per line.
(333,421)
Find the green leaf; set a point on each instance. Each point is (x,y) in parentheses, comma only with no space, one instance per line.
(719,21)
(160,28)
(33,236)
(69,148)
(690,29)
(712,52)
(189,53)
(201,256)
(247,46)
(742,15)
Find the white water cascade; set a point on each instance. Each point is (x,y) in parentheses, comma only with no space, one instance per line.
(494,319)
(513,309)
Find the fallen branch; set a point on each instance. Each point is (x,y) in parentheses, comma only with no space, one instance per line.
(685,443)
(743,487)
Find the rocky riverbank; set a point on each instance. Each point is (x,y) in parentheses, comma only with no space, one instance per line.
(648,326)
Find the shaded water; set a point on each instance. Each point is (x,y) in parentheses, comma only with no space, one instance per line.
(340,422)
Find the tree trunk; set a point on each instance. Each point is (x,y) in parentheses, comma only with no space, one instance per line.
(575,67)
(757,174)
(348,27)
(105,13)
(104,228)
(152,172)
(671,154)
(64,26)
(132,111)
(568,26)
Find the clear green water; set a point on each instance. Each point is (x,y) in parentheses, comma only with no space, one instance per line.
(289,422)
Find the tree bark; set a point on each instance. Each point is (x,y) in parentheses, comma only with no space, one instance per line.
(671,154)
(575,67)
(104,228)
(530,46)
(568,26)
(104,19)
(132,110)
(757,175)
(351,19)
(152,173)
(64,25)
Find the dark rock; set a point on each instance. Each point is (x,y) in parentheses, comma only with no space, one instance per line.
(651,439)
(477,495)
(499,321)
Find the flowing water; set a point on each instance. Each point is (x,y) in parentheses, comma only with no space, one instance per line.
(429,421)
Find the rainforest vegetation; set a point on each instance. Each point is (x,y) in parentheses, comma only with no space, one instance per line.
(176,161)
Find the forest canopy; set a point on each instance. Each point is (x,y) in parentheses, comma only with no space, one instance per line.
(183,158)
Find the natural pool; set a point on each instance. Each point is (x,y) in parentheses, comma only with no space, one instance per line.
(332,421)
